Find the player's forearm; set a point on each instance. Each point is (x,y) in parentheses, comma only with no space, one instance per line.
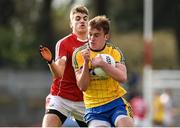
(118,73)
(55,70)
(83,79)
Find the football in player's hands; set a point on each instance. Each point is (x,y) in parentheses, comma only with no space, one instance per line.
(108,59)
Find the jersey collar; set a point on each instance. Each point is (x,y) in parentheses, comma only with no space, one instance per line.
(97,50)
(75,36)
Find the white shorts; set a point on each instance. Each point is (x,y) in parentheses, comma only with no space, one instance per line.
(98,123)
(66,107)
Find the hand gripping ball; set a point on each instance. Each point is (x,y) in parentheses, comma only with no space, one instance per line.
(108,59)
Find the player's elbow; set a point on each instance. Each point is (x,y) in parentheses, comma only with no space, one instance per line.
(122,79)
(82,87)
(83,83)
(59,74)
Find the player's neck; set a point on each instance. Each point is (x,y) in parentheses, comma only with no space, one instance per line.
(81,36)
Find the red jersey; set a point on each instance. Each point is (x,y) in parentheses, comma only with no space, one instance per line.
(66,86)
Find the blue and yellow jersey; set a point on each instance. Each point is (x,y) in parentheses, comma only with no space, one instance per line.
(101,90)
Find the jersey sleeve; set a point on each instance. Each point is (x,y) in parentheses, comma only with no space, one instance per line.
(77,60)
(118,56)
(61,50)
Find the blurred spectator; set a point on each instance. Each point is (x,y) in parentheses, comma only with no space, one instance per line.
(158,110)
(133,78)
(132,84)
(139,108)
(163,109)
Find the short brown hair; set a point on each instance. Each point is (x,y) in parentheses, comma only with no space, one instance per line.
(78,9)
(100,22)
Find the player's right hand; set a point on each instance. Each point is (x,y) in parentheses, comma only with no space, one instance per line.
(45,53)
(86,55)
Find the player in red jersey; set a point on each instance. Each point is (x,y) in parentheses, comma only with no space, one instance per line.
(65,98)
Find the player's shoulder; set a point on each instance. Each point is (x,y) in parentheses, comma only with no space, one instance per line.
(111,45)
(81,47)
(116,50)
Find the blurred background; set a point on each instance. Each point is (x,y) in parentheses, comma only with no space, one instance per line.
(25,78)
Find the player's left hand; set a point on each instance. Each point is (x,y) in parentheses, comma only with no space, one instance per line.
(45,53)
(97,61)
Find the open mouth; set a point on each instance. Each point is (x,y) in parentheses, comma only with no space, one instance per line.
(82,25)
(92,43)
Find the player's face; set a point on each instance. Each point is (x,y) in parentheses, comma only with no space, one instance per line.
(97,38)
(79,22)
